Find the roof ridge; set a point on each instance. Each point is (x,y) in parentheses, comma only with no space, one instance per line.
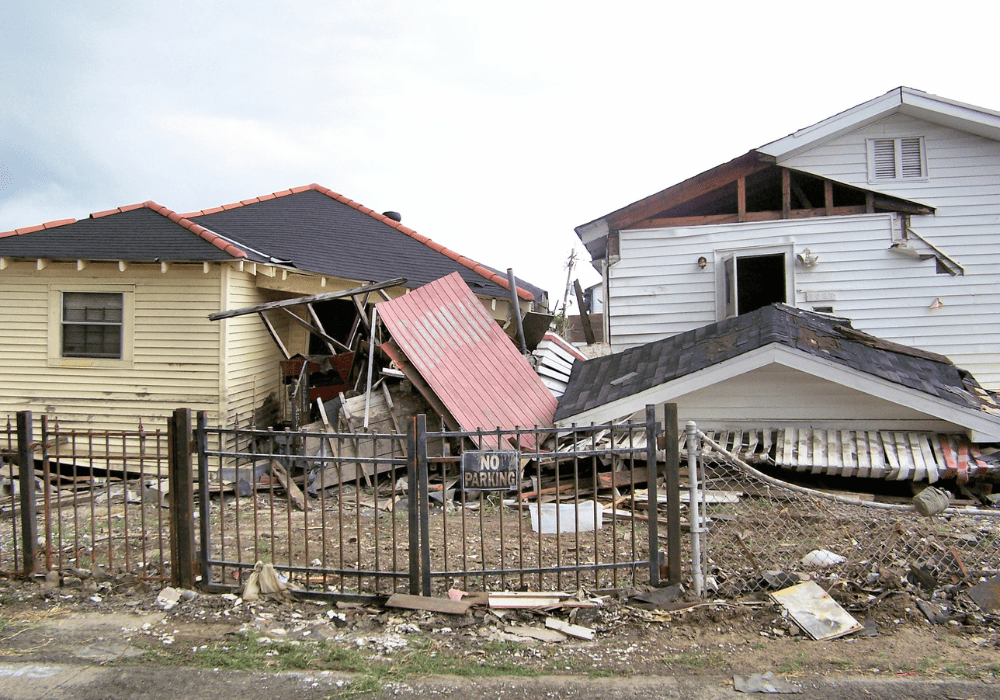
(478,268)
(178,219)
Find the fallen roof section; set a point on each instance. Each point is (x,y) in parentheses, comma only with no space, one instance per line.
(618,385)
(466,359)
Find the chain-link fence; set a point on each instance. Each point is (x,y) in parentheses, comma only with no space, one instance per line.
(759,532)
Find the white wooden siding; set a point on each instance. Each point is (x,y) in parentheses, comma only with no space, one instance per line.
(657,290)
(175,348)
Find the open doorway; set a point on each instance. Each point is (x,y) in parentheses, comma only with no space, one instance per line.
(753,281)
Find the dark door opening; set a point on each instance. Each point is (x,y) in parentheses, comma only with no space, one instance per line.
(760,281)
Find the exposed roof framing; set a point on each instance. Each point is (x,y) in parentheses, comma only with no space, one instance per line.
(749,188)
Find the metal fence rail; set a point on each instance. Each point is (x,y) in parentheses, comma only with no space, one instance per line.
(755,527)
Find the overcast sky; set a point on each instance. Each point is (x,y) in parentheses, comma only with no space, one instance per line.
(494,128)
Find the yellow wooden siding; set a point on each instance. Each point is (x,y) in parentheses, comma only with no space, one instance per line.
(250,355)
(174,347)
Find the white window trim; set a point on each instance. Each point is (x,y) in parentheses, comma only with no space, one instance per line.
(721,256)
(898,152)
(55,358)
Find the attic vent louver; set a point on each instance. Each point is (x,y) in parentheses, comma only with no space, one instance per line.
(896,159)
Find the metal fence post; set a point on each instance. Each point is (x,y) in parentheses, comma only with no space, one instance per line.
(26,483)
(671,433)
(693,511)
(181,500)
(425,505)
(651,477)
(412,504)
(204,500)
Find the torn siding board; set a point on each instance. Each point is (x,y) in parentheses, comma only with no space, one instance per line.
(555,358)
(466,359)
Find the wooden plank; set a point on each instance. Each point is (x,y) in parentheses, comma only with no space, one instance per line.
(818,450)
(875,452)
(906,466)
(752,440)
(786,193)
(942,465)
(738,443)
(804,444)
(542,635)
(724,439)
(741,198)
(566,628)
(259,308)
(787,437)
(828,197)
(919,468)
(836,464)
(294,493)
(766,449)
(438,605)
(849,451)
(929,460)
(950,457)
(889,445)
(864,461)
(962,476)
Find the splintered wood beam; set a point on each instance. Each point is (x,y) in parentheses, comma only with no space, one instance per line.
(294,318)
(330,341)
(274,335)
(368,288)
(869,202)
(588,331)
(360,306)
(741,199)
(828,196)
(786,193)
(800,195)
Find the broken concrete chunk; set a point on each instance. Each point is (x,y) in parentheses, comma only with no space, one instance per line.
(168,598)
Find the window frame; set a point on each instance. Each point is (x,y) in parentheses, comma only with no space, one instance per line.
(55,325)
(897,150)
(727,295)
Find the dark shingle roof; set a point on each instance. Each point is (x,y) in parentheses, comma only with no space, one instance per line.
(320,231)
(140,233)
(602,380)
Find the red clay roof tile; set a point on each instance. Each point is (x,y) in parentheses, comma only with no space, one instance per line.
(61,222)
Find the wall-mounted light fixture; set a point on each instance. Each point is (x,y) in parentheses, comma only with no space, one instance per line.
(702,262)
(807,258)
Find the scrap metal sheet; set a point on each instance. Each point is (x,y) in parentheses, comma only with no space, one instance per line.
(466,359)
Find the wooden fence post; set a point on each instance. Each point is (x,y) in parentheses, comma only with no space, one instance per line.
(671,432)
(180,473)
(26,484)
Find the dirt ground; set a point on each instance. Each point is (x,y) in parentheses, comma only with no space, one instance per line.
(114,621)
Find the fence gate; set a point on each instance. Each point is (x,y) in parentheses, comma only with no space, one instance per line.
(369,514)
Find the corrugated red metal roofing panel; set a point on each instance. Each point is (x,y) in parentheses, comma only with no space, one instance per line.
(466,358)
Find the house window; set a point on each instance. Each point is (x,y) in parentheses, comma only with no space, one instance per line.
(92,324)
(753,278)
(894,159)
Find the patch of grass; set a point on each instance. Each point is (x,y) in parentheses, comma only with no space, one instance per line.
(792,664)
(601,673)
(695,659)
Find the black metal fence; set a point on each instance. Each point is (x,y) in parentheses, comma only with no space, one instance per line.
(82,499)
(366,514)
